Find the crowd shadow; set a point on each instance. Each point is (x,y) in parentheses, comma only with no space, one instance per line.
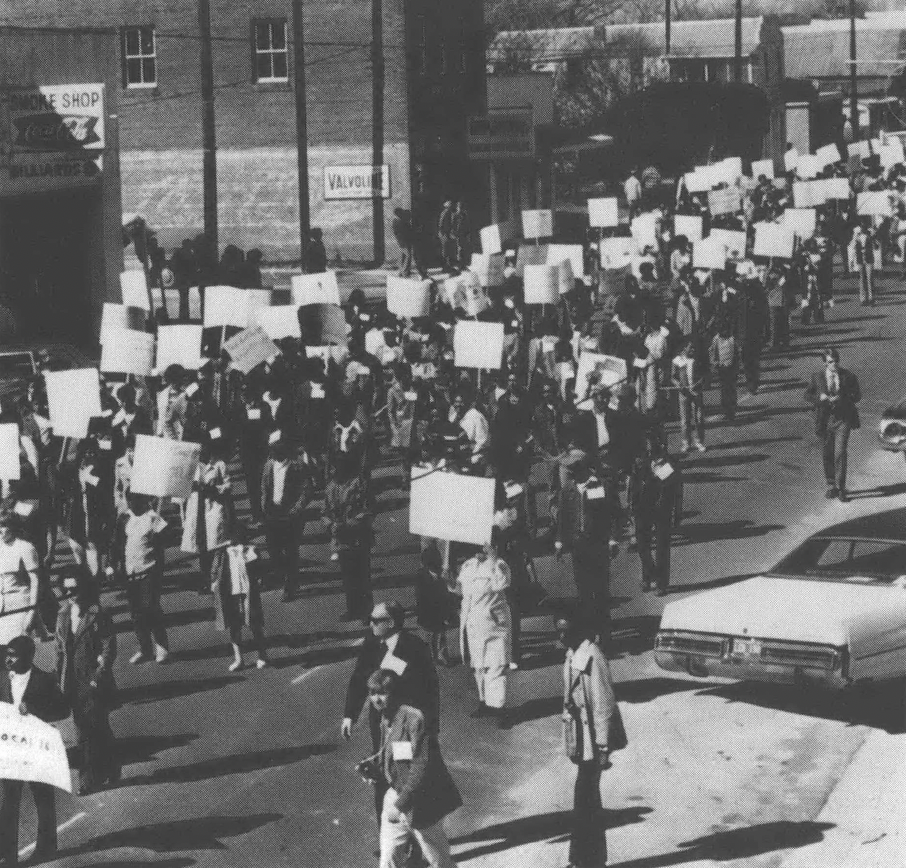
(550,828)
(878,492)
(746,843)
(711,476)
(133,749)
(753,441)
(713,461)
(315,657)
(142,694)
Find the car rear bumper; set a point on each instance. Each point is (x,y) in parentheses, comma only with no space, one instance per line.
(706,667)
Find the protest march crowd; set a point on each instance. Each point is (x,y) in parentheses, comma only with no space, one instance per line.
(527,393)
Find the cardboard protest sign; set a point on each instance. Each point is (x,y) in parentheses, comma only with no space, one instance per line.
(689,225)
(538,224)
(128,352)
(861,149)
(478,344)
(530,254)
(774,240)
(408,298)
(557,253)
(73,397)
(164,467)
(488,267)
(801,220)
(616,253)
(116,317)
(323,324)
(451,506)
(250,348)
(891,154)
(134,288)
(257,299)
(837,188)
(709,253)
(828,154)
(808,194)
(728,170)
(874,204)
(9,451)
(611,370)
(727,200)
(279,321)
(644,231)
(603,212)
(495,238)
(316,288)
(226,306)
(763,167)
(32,750)
(697,181)
(734,242)
(541,284)
(808,166)
(179,345)
(790,160)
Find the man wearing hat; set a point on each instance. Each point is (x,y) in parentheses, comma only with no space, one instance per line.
(30,691)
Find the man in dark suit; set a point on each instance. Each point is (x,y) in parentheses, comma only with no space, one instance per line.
(32,691)
(285,492)
(834,392)
(391,647)
(86,649)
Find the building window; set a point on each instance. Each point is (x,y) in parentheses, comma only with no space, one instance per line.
(139,57)
(271,51)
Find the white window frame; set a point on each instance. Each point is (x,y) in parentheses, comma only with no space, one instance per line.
(270,52)
(141,56)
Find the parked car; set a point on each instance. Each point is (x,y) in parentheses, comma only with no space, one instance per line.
(832,612)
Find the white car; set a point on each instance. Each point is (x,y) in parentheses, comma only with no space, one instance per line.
(833,611)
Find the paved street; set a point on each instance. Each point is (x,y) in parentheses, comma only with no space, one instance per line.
(246,769)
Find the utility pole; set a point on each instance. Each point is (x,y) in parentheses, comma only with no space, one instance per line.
(853,92)
(737,41)
(301,128)
(667,28)
(208,133)
(377,126)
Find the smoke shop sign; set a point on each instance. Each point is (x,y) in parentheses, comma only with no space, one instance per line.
(61,118)
(357,182)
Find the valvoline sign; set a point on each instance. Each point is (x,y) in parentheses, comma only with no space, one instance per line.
(59,118)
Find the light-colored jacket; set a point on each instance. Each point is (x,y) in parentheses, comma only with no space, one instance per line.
(586,680)
(485,623)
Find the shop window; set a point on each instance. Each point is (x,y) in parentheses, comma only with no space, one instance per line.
(139,57)
(271,51)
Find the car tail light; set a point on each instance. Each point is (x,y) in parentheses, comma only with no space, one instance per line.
(706,644)
(802,655)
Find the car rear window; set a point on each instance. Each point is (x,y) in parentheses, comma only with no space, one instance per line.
(855,560)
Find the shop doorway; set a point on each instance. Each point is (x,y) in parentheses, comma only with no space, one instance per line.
(46,241)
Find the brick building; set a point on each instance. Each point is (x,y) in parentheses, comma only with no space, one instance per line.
(434,79)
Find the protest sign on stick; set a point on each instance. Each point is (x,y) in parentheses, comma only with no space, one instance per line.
(128,352)
(837,188)
(316,288)
(603,213)
(727,200)
(557,253)
(250,348)
(616,253)
(478,344)
(644,231)
(32,750)
(116,317)
(408,298)
(763,167)
(179,345)
(495,238)
(279,321)
(164,467)
(451,506)
(774,240)
(808,166)
(801,220)
(537,223)
(541,284)
(488,267)
(73,398)
(134,289)
(828,154)
(709,253)
(689,225)
(874,204)
(226,306)
(733,240)
(9,452)
(530,254)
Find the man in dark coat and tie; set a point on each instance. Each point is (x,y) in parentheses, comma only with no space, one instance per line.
(392,647)
(834,393)
(86,649)
(31,691)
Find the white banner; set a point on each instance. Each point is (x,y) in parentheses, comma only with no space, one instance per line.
(179,345)
(488,267)
(408,298)
(709,253)
(808,166)
(134,289)
(316,288)
(874,204)
(727,200)
(74,397)
(128,352)
(478,345)
(280,321)
(9,451)
(164,467)
(828,154)
(801,220)
(603,212)
(32,750)
(541,284)
(451,506)
(537,224)
(616,253)
(733,240)
(557,253)
(226,306)
(249,348)
(644,231)
(837,188)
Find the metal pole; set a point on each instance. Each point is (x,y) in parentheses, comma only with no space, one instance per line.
(209,140)
(377,126)
(737,50)
(667,28)
(301,128)
(853,92)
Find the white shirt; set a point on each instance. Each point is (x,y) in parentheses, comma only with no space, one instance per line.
(601,426)
(833,382)
(18,684)
(476,427)
(75,614)
(280,468)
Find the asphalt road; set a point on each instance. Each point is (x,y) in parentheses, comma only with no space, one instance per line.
(243,769)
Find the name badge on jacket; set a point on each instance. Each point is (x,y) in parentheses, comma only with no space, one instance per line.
(402,750)
(393,663)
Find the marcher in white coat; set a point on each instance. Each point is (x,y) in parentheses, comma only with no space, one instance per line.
(485,630)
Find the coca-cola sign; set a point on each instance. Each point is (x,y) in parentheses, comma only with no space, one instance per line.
(58,118)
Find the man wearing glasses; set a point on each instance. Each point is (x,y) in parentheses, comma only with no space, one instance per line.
(392,647)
